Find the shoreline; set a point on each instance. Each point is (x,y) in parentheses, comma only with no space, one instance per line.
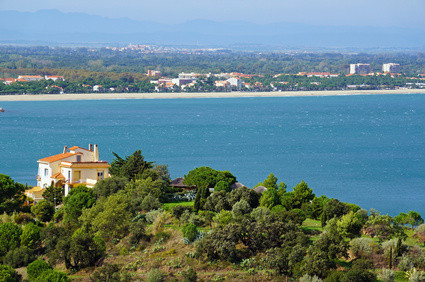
(183,95)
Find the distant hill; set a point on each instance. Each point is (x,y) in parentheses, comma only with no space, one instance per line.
(57,27)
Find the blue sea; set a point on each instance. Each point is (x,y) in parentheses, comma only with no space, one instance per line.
(368,150)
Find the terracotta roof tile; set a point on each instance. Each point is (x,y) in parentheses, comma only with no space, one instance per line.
(55,158)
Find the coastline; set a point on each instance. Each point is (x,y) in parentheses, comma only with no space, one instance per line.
(108,96)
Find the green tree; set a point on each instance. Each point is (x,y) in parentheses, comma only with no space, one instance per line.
(271,182)
(150,203)
(333,208)
(10,234)
(52,276)
(109,186)
(132,167)
(79,198)
(8,274)
(54,195)
(109,218)
(222,186)
(190,231)
(270,198)
(31,236)
(11,195)
(36,268)
(349,225)
(43,210)
(241,208)
(414,218)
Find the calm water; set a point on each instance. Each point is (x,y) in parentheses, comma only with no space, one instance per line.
(367,150)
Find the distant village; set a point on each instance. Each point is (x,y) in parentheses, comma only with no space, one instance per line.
(235,81)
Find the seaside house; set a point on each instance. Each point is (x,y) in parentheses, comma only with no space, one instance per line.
(74,166)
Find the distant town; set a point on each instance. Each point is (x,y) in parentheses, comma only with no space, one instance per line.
(360,77)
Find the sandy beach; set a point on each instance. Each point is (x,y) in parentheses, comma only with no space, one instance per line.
(105,96)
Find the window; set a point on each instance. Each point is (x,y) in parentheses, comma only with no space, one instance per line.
(69,175)
(78,159)
(46,172)
(99,175)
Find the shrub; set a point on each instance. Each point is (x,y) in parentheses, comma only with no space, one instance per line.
(31,236)
(52,276)
(241,208)
(8,274)
(36,268)
(23,218)
(189,275)
(150,203)
(155,275)
(224,217)
(109,272)
(43,210)
(405,263)
(223,186)
(362,247)
(308,278)
(190,232)
(386,275)
(153,215)
(260,213)
(9,237)
(388,246)
(137,232)
(20,257)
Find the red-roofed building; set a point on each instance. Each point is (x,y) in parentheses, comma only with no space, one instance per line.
(74,166)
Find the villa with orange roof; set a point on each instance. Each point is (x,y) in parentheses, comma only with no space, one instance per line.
(74,166)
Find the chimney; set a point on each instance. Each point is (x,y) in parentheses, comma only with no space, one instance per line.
(91,147)
(96,153)
(65,149)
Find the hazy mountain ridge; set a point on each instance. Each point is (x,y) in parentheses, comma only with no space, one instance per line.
(55,26)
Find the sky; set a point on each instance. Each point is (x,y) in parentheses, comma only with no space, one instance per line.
(398,13)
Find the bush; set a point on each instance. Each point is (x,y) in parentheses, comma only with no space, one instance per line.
(23,218)
(386,275)
(36,268)
(150,203)
(190,232)
(223,218)
(137,232)
(241,208)
(155,275)
(9,237)
(260,213)
(109,186)
(362,247)
(405,263)
(31,236)
(308,278)
(43,210)
(8,274)
(223,186)
(19,257)
(52,276)
(153,215)
(189,275)
(109,272)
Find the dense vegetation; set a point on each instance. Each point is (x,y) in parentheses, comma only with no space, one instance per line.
(122,72)
(106,60)
(131,227)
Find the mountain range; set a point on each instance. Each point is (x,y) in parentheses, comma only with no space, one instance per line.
(56,27)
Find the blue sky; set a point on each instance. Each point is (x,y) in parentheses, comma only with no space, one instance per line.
(399,13)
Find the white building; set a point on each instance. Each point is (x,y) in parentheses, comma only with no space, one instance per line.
(54,77)
(235,82)
(359,68)
(74,166)
(391,68)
